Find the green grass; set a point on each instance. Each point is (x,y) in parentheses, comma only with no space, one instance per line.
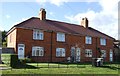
(72,69)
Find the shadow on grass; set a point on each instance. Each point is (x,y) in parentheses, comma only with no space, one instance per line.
(23,66)
(111,67)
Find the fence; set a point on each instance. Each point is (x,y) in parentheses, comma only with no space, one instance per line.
(38,62)
(51,62)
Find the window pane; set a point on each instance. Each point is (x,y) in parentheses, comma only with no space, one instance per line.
(103,52)
(41,51)
(37,34)
(33,52)
(63,52)
(57,52)
(34,35)
(60,52)
(88,40)
(37,51)
(41,36)
(88,53)
(103,41)
(60,37)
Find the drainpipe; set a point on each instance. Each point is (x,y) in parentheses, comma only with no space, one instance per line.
(51,39)
(51,46)
(96,47)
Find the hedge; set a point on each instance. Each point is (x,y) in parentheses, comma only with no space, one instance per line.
(10,59)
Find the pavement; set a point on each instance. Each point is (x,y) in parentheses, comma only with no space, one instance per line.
(4,68)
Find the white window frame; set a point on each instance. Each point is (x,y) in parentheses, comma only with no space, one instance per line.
(60,52)
(88,40)
(38,35)
(37,48)
(102,41)
(60,37)
(103,53)
(88,53)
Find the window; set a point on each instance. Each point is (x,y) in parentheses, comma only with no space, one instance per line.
(88,53)
(37,51)
(103,53)
(37,34)
(60,52)
(88,40)
(61,37)
(102,41)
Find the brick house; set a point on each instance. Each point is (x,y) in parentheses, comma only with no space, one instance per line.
(47,40)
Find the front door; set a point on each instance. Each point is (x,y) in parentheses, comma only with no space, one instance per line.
(21,48)
(111,55)
(75,54)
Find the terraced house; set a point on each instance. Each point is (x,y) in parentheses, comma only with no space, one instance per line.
(47,40)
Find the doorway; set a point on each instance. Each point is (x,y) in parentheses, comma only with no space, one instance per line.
(21,49)
(75,54)
(111,55)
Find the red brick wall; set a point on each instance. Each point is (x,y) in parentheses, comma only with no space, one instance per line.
(25,36)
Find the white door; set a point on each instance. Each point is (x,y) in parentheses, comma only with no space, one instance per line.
(111,55)
(21,48)
(77,54)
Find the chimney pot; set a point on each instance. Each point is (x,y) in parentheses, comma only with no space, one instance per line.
(42,14)
(84,22)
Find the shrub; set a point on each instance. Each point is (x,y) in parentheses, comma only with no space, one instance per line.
(25,60)
(10,59)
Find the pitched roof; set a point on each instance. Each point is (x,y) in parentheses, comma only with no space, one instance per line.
(36,23)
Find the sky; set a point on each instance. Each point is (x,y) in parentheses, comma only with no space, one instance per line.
(102,14)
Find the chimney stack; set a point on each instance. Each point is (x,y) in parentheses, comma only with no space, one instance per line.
(84,22)
(42,14)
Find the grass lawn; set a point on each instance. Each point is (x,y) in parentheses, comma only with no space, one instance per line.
(65,69)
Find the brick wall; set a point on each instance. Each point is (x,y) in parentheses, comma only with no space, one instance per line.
(25,36)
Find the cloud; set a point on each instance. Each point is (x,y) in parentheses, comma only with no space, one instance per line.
(60,2)
(105,21)
(7,16)
(51,13)
(55,2)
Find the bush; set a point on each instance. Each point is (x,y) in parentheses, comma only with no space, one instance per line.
(25,60)
(10,59)
(14,60)
(4,44)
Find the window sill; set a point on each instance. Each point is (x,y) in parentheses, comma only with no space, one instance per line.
(88,57)
(37,56)
(61,41)
(38,39)
(60,57)
(88,44)
(103,45)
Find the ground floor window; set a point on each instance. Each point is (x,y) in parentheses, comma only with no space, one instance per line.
(88,53)
(60,52)
(103,53)
(37,51)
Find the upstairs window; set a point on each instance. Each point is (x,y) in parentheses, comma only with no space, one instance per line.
(37,51)
(102,41)
(88,40)
(61,37)
(60,52)
(37,34)
(88,53)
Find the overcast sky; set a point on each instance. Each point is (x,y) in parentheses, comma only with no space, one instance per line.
(102,14)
